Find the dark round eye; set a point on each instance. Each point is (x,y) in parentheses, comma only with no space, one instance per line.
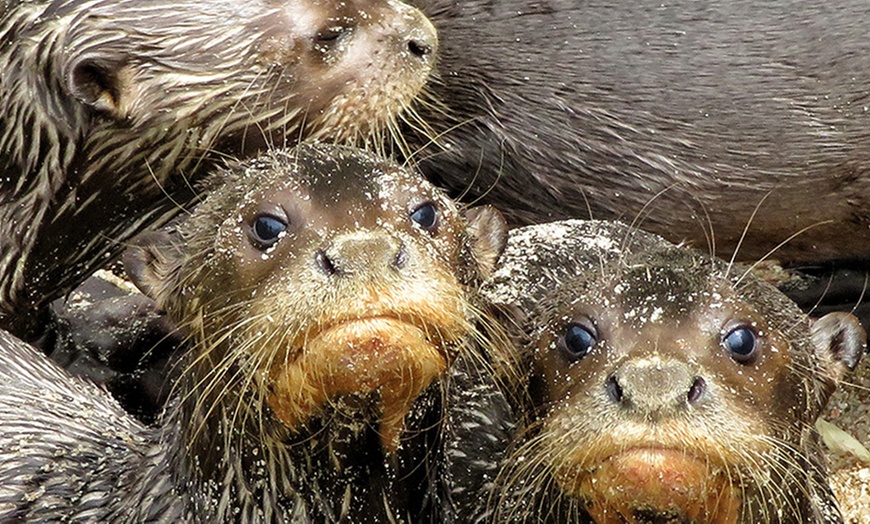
(577,341)
(426,215)
(267,229)
(742,343)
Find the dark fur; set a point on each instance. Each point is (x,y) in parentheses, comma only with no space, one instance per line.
(702,111)
(66,443)
(221,453)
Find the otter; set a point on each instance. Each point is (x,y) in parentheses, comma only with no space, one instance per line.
(704,121)
(325,293)
(663,385)
(114,109)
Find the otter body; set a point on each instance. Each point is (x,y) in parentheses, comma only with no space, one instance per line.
(326,293)
(664,386)
(113,110)
(687,116)
(71,451)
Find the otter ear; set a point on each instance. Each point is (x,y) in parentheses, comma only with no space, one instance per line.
(152,262)
(839,339)
(106,86)
(488,232)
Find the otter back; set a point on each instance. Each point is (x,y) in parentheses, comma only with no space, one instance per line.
(688,116)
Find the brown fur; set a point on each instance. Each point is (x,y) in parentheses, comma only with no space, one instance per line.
(112,110)
(317,351)
(659,422)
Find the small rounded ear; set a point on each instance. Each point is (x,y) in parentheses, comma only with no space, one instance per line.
(153,263)
(488,232)
(840,339)
(106,86)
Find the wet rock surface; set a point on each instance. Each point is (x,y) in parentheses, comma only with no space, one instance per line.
(110,333)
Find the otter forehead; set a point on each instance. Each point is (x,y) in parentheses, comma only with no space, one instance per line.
(649,293)
(334,177)
(342,179)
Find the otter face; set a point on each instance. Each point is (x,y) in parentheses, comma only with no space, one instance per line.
(322,273)
(327,69)
(362,65)
(668,393)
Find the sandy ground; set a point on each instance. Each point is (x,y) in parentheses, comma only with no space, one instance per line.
(850,477)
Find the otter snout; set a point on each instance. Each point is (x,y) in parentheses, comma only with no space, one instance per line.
(420,36)
(654,388)
(369,254)
(423,38)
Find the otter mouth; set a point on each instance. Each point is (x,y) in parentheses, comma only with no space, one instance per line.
(392,357)
(375,326)
(663,484)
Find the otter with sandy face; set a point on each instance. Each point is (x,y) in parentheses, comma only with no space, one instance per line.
(665,386)
(113,109)
(325,293)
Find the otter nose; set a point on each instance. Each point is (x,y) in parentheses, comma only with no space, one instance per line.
(420,48)
(424,41)
(654,387)
(421,37)
(361,254)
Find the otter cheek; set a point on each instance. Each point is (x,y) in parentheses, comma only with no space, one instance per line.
(384,356)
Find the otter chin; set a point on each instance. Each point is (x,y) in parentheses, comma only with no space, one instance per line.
(670,482)
(392,341)
(384,355)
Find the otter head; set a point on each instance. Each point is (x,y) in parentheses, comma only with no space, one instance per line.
(669,392)
(322,274)
(319,68)
(664,386)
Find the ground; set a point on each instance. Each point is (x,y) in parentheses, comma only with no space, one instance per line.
(850,410)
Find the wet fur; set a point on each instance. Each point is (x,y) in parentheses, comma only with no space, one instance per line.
(564,109)
(547,267)
(332,464)
(113,110)
(220,454)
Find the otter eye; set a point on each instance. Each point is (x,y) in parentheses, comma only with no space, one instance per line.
(742,343)
(331,34)
(426,215)
(266,229)
(577,341)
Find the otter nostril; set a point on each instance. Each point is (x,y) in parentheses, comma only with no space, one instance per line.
(614,390)
(699,387)
(401,259)
(419,49)
(321,259)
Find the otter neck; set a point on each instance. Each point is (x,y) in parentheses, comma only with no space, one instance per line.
(238,463)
